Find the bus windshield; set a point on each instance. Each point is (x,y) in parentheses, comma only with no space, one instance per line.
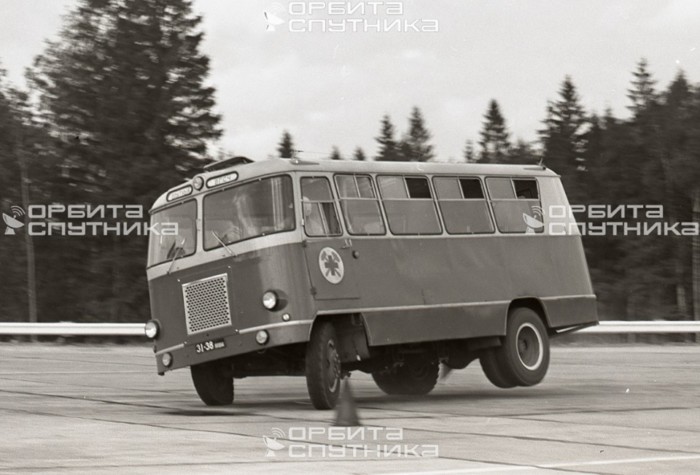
(168,244)
(250,210)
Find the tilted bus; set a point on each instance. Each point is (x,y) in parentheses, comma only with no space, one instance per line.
(291,267)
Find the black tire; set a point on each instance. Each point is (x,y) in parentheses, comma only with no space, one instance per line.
(323,366)
(417,376)
(213,382)
(492,370)
(524,356)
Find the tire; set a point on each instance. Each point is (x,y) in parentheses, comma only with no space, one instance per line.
(213,383)
(524,356)
(491,367)
(415,377)
(323,366)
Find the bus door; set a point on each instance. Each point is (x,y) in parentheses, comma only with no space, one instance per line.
(328,254)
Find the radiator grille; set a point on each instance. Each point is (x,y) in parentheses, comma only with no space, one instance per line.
(206,303)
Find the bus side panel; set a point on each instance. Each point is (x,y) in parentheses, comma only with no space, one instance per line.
(435,288)
(433,324)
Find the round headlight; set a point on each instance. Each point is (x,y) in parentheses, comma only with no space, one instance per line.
(167,359)
(151,329)
(198,182)
(261,337)
(269,300)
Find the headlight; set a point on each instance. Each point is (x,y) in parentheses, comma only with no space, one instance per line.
(261,337)
(151,329)
(269,300)
(167,359)
(198,182)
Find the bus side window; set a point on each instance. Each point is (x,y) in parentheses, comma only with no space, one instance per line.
(320,218)
(359,205)
(409,205)
(516,204)
(463,205)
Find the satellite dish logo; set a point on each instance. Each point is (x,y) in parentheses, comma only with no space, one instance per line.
(534,223)
(273,16)
(271,442)
(12,222)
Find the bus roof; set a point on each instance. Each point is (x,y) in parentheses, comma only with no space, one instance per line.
(246,169)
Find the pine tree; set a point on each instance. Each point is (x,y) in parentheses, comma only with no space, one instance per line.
(564,137)
(415,146)
(286,146)
(494,136)
(642,93)
(388,148)
(521,153)
(359,155)
(127,78)
(469,152)
(335,154)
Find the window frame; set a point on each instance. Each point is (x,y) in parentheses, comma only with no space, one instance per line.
(376,199)
(333,201)
(403,176)
(516,199)
(196,233)
(485,199)
(236,185)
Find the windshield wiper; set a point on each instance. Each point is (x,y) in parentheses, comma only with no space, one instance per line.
(223,243)
(180,248)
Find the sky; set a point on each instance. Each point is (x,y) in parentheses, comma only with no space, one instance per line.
(331,88)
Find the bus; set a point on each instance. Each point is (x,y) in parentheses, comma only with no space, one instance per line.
(321,268)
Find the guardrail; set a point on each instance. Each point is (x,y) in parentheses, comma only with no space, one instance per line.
(137,329)
(73,329)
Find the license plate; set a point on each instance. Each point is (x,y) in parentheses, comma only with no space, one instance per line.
(210,345)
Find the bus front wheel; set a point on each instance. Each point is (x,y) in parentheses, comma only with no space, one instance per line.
(323,366)
(415,377)
(524,356)
(214,384)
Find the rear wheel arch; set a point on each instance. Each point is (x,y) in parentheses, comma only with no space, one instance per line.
(533,304)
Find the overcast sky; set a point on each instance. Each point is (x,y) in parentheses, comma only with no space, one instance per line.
(332,88)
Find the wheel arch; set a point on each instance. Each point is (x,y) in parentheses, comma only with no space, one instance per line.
(534,304)
(351,331)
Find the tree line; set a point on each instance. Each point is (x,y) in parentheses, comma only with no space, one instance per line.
(117,110)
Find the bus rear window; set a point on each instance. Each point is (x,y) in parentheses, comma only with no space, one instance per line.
(249,210)
(516,205)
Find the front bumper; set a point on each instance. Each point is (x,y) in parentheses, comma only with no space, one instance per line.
(185,354)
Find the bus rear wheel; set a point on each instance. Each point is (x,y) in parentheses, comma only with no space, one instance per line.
(323,366)
(213,382)
(524,356)
(415,377)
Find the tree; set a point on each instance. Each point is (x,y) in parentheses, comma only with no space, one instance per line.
(641,93)
(521,153)
(469,152)
(335,154)
(388,148)
(415,146)
(494,136)
(359,155)
(564,137)
(286,146)
(128,79)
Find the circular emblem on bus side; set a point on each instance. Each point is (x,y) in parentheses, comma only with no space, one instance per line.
(331,265)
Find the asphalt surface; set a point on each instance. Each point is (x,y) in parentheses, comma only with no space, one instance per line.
(92,409)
